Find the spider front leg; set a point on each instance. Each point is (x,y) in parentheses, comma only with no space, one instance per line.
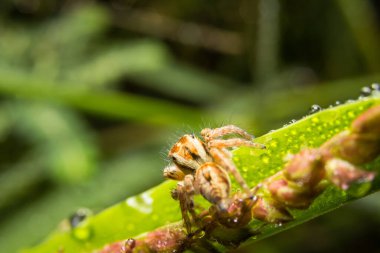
(234,142)
(184,194)
(210,134)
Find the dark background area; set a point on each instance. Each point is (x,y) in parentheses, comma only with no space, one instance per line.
(93,93)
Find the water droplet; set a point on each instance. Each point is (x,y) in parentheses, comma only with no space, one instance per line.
(365,91)
(82,232)
(278,225)
(315,108)
(264,158)
(79,216)
(337,102)
(142,203)
(375,86)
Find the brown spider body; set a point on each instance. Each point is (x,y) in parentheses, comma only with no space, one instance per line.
(202,168)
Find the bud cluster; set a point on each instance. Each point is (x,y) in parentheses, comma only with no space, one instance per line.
(307,173)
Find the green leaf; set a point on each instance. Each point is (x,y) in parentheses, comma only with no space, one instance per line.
(155,208)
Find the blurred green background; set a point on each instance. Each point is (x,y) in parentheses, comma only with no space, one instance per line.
(93,93)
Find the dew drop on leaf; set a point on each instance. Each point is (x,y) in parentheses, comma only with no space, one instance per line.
(375,86)
(365,91)
(278,225)
(79,216)
(315,108)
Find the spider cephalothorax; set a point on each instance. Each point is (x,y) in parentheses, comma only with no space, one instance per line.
(201,166)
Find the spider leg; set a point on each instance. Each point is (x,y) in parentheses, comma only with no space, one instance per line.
(209,134)
(234,142)
(190,192)
(223,157)
(179,194)
(184,193)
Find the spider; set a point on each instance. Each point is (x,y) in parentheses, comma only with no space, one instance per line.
(202,167)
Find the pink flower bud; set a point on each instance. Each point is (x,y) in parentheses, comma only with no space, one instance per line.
(368,122)
(352,147)
(305,168)
(271,211)
(343,174)
(291,194)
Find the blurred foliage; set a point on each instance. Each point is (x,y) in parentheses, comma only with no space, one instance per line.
(92,92)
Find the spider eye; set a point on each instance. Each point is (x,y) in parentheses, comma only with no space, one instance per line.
(192,136)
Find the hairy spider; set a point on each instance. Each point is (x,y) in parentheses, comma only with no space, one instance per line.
(202,168)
